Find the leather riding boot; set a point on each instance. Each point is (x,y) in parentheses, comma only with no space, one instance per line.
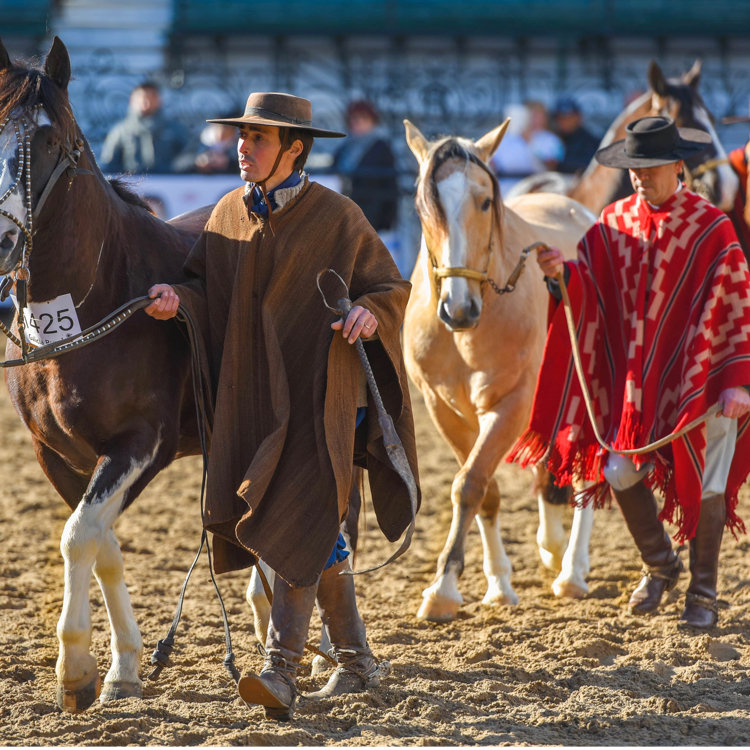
(662,566)
(357,669)
(275,687)
(701,610)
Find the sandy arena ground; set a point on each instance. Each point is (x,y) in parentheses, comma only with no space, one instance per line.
(546,672)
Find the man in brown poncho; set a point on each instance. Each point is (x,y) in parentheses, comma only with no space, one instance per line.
(288,392)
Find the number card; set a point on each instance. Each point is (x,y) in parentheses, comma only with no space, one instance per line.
(50,321)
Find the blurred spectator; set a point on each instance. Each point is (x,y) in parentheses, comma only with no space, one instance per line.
(146,140)
(579,143)
(739,159)
(217,153)
(366,166)
(528,146)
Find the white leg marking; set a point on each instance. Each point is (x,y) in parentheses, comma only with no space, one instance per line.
(83,536)
(575,565)
(258,601)
(497,567)
(126,643)
(550,534)
(441,600)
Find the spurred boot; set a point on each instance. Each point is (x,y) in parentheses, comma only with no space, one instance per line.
(701,611)
(662,566)
(275,687)
(337,606)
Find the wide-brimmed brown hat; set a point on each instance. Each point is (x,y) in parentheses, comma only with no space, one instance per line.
(651,142)
(279,110)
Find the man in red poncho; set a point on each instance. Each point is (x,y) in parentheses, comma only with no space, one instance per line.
(661,295)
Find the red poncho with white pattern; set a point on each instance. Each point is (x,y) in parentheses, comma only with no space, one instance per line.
(661,299)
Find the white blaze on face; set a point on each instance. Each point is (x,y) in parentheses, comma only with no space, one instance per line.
(728,180)
(14,203)
(454,191)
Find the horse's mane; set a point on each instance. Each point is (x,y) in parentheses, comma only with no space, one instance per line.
(126,193)
(26,87)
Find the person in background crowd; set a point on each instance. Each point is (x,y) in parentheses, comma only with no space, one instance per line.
(218,150)
(528,146)
(292,414)
(367,167)
(662,289)
(146,140)
(579,144)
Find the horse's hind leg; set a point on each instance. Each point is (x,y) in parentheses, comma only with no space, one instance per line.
(575,565)
(566,556)
(85,534)
(122,680)
(496,564)
(550,535)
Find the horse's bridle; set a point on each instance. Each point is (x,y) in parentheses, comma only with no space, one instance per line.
(25,126)
(443,272)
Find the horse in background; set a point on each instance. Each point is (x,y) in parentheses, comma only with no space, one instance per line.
(475,354)
(106,418)
(707,173)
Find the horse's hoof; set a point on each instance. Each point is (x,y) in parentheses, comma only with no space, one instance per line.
(568,589)
(550,560)
(320,665)
(118,689)
(498,599)
(79,698)
(438,609)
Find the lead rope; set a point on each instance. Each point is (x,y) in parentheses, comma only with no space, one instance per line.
(160,656)
(713,411)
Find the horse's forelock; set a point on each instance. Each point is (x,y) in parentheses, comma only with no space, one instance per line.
(428,198)
(26,88)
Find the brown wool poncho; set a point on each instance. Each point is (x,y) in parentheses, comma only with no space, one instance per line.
(285,384)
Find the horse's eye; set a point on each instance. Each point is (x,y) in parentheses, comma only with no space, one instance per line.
(486,205)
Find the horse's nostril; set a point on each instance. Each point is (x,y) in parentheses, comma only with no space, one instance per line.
(9,239)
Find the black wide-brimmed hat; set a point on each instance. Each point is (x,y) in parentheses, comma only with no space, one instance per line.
(280,111)
(651,142)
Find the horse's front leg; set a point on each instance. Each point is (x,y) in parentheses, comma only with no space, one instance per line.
(122,680)
(473,491)
(87,540)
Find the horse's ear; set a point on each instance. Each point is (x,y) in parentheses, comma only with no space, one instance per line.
(488,143)
(693,76)
(5,62)
(656,79)
(57,64)
(416,141)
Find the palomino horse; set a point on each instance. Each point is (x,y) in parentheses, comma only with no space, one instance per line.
(105,418)
(708,173)
(474,354)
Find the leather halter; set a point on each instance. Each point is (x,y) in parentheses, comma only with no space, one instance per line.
(24,126)
(450,150)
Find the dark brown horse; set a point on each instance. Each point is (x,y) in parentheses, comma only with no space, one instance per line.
(105,418)
(707,173)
